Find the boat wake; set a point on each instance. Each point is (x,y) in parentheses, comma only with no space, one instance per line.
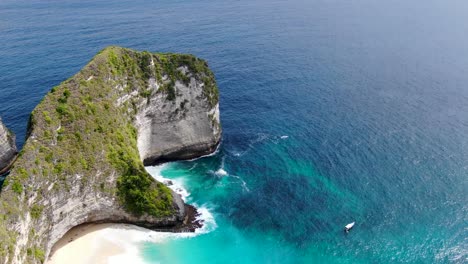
(261,137)
(222,173)
(243,183)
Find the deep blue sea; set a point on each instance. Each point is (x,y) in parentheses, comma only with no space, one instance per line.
(333,111)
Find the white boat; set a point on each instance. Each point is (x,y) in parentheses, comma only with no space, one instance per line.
(348,226)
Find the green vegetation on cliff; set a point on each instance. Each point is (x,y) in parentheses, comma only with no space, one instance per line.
(82,134)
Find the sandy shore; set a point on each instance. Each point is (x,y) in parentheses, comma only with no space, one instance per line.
(121,243)
(93,243)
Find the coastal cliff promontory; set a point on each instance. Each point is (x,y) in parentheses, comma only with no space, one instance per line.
(89,139)
(7,147)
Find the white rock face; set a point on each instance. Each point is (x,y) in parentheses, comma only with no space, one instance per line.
(96,207)
(67,210)
(7,147)
(184,128)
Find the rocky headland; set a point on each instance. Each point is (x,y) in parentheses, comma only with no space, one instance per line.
(89,139)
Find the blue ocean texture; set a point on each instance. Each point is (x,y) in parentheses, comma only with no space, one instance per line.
(333,112)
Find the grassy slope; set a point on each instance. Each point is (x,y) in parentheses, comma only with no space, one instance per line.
(78,129)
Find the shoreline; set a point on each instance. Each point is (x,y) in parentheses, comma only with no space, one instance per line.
(100,242)
(84,244)
(107,242)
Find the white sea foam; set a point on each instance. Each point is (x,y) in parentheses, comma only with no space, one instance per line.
(243,183)
(130,237)
(209,223)
(221,172)
(193,167)
(208,155)
(177,184)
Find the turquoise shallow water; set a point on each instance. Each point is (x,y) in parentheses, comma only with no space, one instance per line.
(286,212)
(333,111)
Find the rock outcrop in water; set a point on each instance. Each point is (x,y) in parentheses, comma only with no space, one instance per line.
(7,148)
(83,159)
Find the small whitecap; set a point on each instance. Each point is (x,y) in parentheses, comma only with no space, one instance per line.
(209,223)
(221,172)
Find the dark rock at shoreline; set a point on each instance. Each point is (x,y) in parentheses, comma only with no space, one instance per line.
(168,183)
(190,223)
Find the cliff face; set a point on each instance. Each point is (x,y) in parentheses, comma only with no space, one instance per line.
(184,128)
(83,160)
(7,147)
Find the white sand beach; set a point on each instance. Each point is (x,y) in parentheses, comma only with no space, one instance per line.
(119,243)
(98,243)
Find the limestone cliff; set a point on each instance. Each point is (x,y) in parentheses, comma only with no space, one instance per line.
(83,160)
(7,147)
(183,128)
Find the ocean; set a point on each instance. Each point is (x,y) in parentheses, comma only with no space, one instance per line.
(333,111)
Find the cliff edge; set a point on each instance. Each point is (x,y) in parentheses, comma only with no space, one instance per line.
(89,139)
(7,148)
